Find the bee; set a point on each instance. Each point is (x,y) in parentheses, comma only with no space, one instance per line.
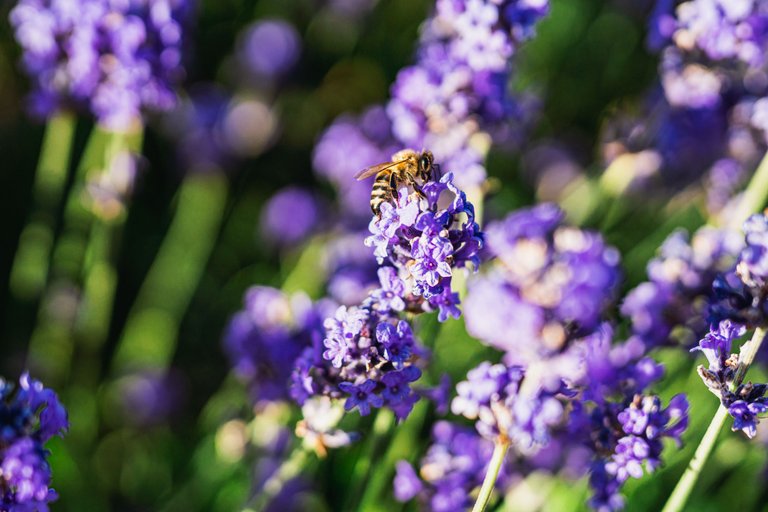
(407,166)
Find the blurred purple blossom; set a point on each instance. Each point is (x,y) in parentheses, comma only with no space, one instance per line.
(268,49)
(114,59)
(264,339)
(672,307)
(290,216)
(452,468)
(551,284)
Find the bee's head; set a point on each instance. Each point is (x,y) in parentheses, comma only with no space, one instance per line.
(425,165)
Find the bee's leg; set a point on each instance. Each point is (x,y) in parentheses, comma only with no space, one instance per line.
(418,189)
(393,185)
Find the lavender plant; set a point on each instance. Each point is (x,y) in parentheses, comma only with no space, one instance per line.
(30,414)
(114,60)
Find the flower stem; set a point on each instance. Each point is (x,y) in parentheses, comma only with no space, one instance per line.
(151,330)
(684,486)
(499,451)
(754,196)
(30,267)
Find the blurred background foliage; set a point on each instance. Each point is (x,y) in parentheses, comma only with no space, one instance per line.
(587,62)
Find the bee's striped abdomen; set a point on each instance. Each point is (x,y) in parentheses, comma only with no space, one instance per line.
(381,191)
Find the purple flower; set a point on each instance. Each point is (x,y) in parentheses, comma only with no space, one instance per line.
(392,291)
(361,396)
(264,340)
(551,285)
(115,59)
(290,216)
(397,342)
(425,240)
(407,484)
(492,395)
(269,48)
(452,468)
(753,261)
(29,415)
(672,306)
(745,415)
(430,260)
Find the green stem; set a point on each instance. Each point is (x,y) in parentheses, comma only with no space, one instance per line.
(30,267)
(497,459)
(99,273)
(685,485)
(754,196)
(361,474)
(151,330)
(51,343)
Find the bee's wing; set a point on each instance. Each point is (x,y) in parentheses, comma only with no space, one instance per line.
(374,169)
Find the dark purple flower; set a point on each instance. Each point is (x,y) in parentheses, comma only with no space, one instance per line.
(264,340)
(361,396)
(672,306)
(745,415)
(29,415)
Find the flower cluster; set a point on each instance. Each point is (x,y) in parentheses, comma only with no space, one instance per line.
(426,236)
(498,398)
(454,100)
(265,338)
(453,466)
(706,116)
(552,284)
(455,96)
(634,441)
(367,357)
(617,420)
(115,59)
(30,414)
(739,304)
(672,306)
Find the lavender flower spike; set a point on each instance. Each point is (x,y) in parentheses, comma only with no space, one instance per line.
(425,236)
(30,414)
(114,59)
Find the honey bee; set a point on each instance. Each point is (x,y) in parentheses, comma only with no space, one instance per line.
(407,166)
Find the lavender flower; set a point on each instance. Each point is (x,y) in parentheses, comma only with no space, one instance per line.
(30,414)
(426,240)
(552,283)
(453,466)
(626,436)
(265,338)
(738,305)
(673,305)
(352,273)
(114,59)
(367,357)
(268,49)
(290,216)
(724,30)
(454,97)
(497,397)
